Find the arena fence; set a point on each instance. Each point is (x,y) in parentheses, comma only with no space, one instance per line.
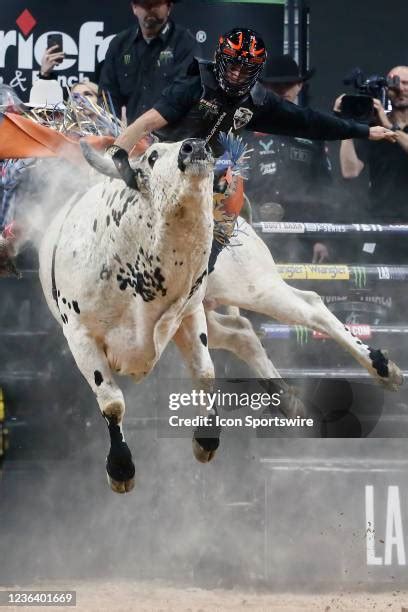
(284,227)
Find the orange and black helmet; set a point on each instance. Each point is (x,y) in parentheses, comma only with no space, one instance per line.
(239,47)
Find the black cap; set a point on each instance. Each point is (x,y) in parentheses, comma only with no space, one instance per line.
(283,69)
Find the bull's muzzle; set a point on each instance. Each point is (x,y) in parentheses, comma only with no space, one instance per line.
(194,151)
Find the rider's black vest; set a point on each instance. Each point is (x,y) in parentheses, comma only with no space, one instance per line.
(213,113)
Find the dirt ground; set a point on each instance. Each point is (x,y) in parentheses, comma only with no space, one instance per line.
(158,597)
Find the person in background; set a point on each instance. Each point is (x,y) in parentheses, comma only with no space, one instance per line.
(53,58)
(292,172)
(144,59)
(49,61)
(387,166)
(87,89)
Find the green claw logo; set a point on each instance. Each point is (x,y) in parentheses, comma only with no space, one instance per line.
(360,278)
(302,335)
(166,57)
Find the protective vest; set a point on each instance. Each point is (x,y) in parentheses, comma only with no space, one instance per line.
(212,114)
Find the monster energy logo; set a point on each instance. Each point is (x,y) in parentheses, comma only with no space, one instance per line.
(165,57)
(302,334)
(360,277)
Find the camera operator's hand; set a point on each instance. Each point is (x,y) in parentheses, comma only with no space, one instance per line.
(50,59)
(120,158)
(381,133)
(381,114)
(337,104)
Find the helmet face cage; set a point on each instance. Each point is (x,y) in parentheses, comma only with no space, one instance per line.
(239,47)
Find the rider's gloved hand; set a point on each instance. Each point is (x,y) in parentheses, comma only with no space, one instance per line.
(120,158)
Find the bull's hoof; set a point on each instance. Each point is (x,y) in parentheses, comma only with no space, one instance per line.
(395,377)
(384,370)
(206,440)
(292,405)
(120,469)
(124,486)
(204,448)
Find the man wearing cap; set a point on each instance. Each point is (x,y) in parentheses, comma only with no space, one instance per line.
(144,59)
(292,172)
(215,98)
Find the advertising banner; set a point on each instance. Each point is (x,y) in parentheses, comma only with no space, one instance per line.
(87,30)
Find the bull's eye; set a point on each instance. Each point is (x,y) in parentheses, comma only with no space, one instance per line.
(153,157)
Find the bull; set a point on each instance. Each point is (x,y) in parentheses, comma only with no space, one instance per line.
(246,277)
(168,221)
(124,271)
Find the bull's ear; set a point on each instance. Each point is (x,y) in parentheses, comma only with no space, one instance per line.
(142,180)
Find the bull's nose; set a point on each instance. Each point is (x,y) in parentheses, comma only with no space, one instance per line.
(193,150)
(193,145)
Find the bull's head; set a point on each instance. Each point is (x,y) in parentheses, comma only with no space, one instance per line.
(192,156)
(180,169)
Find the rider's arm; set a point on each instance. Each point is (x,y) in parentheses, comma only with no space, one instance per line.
(281,117)
(174,103)
(148,122)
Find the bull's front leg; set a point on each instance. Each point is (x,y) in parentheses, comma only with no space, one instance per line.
(233,332)
(192,341)
(93,364)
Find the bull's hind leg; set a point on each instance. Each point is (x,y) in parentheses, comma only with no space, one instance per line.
(93,364)
(247,277)
(192,341)
(276,299)
(317,316)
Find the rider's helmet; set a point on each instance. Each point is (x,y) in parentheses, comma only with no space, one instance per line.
(239,48)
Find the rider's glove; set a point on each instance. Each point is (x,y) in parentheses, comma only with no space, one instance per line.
(120,158)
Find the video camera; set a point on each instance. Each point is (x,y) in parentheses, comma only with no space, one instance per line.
(360,106)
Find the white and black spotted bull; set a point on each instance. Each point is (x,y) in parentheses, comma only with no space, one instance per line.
(124,271)
(246,276)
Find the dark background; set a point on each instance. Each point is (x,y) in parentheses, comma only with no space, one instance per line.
(371,35)
(342,34)
(198,15)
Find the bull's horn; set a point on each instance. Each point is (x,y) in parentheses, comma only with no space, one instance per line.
(102,164)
